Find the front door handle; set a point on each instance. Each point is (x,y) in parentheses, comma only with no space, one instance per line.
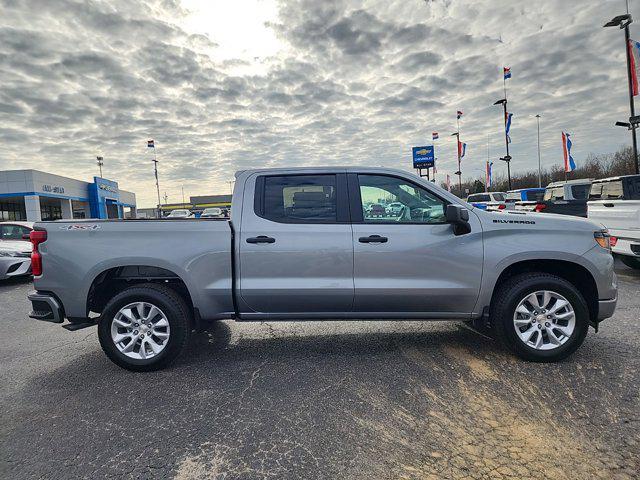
(261,239)
(609,205)
(373,239)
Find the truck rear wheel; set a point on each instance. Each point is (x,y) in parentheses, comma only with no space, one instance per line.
(144,327)
(540,317)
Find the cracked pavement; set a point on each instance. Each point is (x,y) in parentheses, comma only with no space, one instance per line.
(357,400)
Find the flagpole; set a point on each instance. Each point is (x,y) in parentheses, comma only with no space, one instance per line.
(486,172)
(155,169)
(458,150)
(632,106)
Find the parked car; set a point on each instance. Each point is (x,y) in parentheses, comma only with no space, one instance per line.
(15,230)
(615,202)
(524,199)
(566,198)
(395,209)
(300,247)
(483,200)
(213,212)
(15,258)
(377,210)
(180,213)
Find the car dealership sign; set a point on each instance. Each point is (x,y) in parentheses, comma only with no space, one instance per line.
(423,157)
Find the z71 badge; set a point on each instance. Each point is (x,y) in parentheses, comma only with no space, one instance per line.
(80,227)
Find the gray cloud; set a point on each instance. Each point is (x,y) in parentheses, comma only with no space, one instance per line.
(351,85)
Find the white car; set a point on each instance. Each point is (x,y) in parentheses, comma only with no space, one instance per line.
(615,203)
(15,250)
(484,200)
(180,213)
(213,212)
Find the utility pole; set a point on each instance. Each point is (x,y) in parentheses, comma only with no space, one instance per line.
(623,21)
(539,162)
(231,182)
(507,157)
(100,163)
(182,195)
(457,135)
(166,198)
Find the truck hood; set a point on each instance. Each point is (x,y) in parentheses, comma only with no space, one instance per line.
(528,220)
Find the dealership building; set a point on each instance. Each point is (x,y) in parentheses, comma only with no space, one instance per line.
(33,195)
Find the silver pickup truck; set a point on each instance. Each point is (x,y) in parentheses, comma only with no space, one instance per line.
(302,243)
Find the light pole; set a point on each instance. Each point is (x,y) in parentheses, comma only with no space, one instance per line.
(539,163)
(623,21)
(100,163)
(507,157)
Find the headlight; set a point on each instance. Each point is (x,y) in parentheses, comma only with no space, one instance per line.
(603,238)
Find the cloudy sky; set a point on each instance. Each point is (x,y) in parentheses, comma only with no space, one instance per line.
(228,85)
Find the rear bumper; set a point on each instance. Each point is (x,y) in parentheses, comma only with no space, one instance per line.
(45,307)
(606,308)
(627,246)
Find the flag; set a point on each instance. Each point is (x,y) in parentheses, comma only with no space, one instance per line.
(634,55)
(489,171)
(507,127)
(434,135)
(569,164)
(150,144)
(459,114)
(448,182)
(507,72)
(462,149)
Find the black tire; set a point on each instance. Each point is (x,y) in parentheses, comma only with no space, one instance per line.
(513,290)
(174,308)
(631,262)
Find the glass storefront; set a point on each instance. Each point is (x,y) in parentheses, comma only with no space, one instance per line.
(50,211)
(12,210)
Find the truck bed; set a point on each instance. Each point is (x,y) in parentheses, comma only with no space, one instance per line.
(198,251)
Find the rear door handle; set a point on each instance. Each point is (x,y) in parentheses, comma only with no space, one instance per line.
(261,239)
(373,239)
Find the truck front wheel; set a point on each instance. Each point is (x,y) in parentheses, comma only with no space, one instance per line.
(540,317)
(144,327)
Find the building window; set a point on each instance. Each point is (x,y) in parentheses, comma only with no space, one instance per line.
(12,211)
(50,212)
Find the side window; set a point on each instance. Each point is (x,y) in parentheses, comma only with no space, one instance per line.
(580,192)
(12,232)
(389,199)
(612,189)
(300,199)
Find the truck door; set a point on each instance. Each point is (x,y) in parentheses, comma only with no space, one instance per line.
(410,263)
(296,251)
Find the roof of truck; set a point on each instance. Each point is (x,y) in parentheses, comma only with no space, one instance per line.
(611,179)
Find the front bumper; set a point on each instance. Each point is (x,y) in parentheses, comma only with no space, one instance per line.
(14,267)
(45,307)
(606,308)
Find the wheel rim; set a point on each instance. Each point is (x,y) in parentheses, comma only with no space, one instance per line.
(140,330)
(544,320)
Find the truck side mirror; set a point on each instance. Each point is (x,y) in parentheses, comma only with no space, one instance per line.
(458,216)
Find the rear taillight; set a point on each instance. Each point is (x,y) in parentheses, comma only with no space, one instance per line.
(502,206)
(613,241)
(540,207)
(37,237)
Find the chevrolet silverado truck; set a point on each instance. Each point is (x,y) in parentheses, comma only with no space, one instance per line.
(301,245)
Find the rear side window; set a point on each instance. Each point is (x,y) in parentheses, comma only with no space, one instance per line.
(595,193)
(633,188)
(581,192)
(480,197)
(612,190)
(498,197)
(555,193)
(533,195)
(300,199)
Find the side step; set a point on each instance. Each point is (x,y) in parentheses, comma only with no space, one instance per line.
(72,327)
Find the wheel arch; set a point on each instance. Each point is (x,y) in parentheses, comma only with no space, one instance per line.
(574,273)
(113,280)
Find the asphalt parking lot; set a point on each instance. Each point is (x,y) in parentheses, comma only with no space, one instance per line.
(320,400)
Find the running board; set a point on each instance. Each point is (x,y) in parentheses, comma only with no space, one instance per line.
(72,327)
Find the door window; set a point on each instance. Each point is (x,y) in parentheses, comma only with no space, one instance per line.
(580,192)
(393,200)
(479,197)
(13,232)
(300,199)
